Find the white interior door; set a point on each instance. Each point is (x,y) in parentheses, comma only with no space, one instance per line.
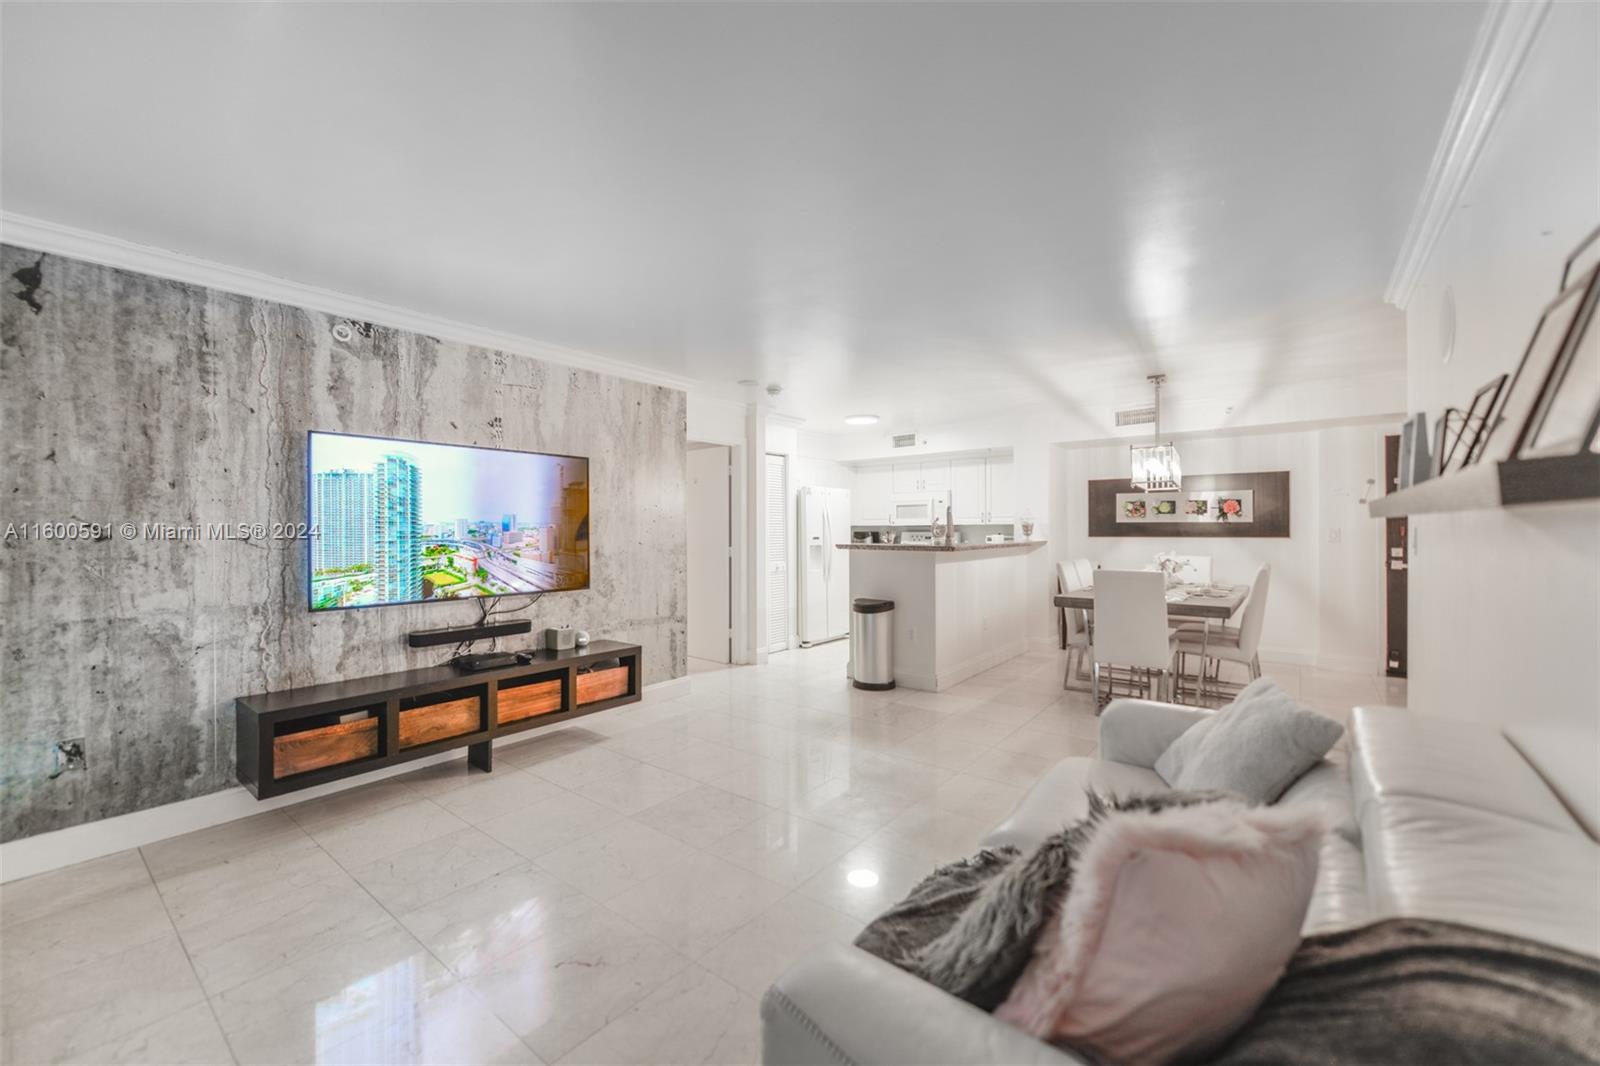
(710,553)
(778,553)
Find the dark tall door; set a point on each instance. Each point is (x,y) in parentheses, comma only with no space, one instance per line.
(1394,568)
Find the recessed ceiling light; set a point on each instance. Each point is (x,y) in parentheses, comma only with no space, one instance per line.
(862,878)
(860,420)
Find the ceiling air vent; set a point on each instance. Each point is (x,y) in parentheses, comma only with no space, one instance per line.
(1136,416)
(905,440)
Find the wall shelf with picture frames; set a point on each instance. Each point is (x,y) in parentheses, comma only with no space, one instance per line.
(1551,479)
(1532,434)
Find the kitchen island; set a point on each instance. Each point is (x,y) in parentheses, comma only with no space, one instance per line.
(959,609)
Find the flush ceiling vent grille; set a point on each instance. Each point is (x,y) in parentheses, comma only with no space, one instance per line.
(905,440)
(1136,416)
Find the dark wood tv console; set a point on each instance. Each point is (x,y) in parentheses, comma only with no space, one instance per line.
(309,736)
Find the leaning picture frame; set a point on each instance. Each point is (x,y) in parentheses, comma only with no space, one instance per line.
(1584,256)
(1510,417)
(1445,432)
(1567,408)
(1475,433)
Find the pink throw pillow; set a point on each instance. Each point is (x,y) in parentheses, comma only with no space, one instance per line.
(1176,925)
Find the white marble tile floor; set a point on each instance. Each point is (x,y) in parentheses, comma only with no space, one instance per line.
(619,890)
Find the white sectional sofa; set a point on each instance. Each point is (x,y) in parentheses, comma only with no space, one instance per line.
(1436,818)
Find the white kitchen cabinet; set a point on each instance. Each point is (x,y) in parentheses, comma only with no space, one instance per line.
(982,489)
(969,489)
(930,476)
(908,477)
(1002,506)
(873,488)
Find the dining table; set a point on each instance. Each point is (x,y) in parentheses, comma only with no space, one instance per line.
(1203,603)
(1200,602)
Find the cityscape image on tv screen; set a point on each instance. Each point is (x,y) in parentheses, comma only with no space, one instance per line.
(396,521)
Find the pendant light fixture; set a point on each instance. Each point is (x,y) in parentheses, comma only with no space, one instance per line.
(1155,466)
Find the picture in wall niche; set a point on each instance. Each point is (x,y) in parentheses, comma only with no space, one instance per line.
(1186,507)
(1208,505)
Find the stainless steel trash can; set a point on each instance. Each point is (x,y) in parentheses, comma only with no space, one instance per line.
(872,643)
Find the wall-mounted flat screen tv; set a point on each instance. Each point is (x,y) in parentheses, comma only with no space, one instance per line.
(401,521)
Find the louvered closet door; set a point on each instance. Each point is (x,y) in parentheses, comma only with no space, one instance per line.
(777,553)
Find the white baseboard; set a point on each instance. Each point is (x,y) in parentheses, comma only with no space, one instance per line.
(917,682)
(974,665)
(1287,656)
(80,843)
(670,689)
(1365,665)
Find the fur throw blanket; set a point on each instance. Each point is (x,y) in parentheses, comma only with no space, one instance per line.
(970,927)
(1409,990)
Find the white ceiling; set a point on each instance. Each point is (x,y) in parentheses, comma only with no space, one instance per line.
(931,212)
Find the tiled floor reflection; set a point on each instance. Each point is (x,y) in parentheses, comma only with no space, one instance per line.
(619,890)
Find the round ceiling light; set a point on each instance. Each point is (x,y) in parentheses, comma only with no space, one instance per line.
(860,420)
(862,878)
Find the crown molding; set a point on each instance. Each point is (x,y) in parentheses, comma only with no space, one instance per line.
(74,243)
(1508,30)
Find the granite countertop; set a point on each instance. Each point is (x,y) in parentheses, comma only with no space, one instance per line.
(852,546)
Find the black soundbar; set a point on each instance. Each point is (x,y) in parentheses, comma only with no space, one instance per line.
(428,638)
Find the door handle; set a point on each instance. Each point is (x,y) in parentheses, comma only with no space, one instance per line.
(827,547)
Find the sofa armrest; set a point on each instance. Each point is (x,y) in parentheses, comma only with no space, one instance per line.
(1136,732)
(840,1006)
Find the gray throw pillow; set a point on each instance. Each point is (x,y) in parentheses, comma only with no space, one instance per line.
(1257,746)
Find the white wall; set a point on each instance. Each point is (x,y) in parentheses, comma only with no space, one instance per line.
(1505,605)
(710,518)
(823,473)
(1325,605)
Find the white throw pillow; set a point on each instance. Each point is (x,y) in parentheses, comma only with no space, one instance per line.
(1255,747)
(1176,925)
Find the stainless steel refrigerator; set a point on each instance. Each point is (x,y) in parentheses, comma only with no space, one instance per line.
(824,592)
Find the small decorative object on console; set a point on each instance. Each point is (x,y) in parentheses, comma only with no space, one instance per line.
(563,639)
(582,638)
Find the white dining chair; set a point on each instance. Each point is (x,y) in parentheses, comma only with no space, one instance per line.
(1220,644)
(1071,576)
(1064,579)
(1130,629)
(1074,623)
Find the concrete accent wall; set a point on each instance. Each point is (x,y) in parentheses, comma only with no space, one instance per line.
(127,398)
